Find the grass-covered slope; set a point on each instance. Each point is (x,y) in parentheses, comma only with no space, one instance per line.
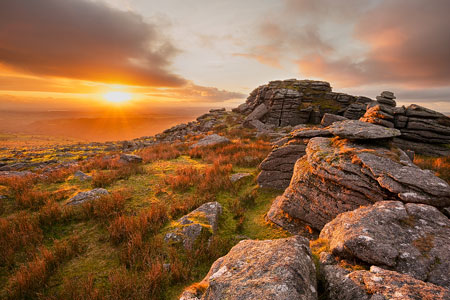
(113,247)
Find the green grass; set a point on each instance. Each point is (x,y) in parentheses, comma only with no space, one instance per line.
(100,256)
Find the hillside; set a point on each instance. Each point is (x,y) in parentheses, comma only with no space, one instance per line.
(299,193)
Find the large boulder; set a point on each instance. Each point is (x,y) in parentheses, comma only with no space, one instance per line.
(338,175)
(190,228)
(82,197)
(408,238)
(280,269)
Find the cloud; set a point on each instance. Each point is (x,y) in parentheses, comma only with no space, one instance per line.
(408,44)
(84,40)
(196,93)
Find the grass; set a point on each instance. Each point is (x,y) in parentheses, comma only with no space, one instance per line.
(439,165)
(121,253)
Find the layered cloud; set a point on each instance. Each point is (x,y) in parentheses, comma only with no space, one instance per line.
(408,44)
(196,93)
(85,40)
(351,43)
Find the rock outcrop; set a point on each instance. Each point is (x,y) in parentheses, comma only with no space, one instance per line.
(292,102)
(408,238)
(280,269)
(338,175)
(188,229)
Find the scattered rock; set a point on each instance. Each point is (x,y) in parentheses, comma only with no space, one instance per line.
(130,158)
(82,197)
(271,269)
(358,130)
(187,229)
(15,173)
(211,140)
(82,176)
(238,176)
(409,238)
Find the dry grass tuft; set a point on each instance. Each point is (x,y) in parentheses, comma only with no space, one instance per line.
(31,277)
(162,151)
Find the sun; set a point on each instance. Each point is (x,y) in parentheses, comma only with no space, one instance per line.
(117,97)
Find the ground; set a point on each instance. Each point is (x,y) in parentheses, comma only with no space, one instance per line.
(112,248)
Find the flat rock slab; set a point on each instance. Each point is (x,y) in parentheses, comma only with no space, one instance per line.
(187,229)
(409,238)
(211,140)
(271,269)
(82,197)
(358,130)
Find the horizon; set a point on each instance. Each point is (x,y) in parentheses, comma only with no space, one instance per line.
(151,57)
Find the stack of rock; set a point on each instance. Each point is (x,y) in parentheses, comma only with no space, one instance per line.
(292,102)
(381,112)
(423,130)
(358,167)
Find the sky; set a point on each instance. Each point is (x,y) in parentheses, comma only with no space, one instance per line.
(66,55)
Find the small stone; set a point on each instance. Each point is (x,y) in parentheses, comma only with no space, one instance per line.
(82,176)
(238,176)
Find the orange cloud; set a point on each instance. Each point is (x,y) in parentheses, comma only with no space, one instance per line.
(408,44)
(84,40)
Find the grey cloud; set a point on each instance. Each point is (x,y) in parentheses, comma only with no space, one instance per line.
(85,40)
